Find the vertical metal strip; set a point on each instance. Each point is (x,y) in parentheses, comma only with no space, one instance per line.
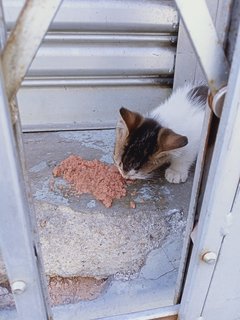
(215,218)
(193,205)
(17,130)
(19,237)
(17,243)
(220,12)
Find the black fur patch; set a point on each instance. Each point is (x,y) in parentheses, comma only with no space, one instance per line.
(142,143)
(198,95)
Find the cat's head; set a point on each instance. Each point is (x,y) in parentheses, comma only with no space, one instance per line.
(142,145)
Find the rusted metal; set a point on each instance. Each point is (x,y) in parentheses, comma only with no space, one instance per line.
(24,41)
(217,101)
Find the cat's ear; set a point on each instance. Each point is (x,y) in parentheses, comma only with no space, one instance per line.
(169,140)
(131,119)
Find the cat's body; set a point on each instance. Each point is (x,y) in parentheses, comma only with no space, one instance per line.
(170,133)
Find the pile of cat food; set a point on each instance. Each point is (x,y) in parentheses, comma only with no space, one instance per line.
(103,181)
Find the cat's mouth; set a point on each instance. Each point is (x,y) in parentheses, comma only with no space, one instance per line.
(136,176)
(132,174)
(127,176)
(123,174)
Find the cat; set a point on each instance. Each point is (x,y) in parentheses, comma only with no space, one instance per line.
(169,134)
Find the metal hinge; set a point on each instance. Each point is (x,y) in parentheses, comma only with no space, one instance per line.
(216,102)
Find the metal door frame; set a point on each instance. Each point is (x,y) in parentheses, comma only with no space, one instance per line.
(216,229)
(220,13)
(216,215)
(20,246)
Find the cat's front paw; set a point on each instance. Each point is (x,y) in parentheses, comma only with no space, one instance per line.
(176,176)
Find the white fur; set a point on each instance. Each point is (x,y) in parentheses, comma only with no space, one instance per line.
(186,118)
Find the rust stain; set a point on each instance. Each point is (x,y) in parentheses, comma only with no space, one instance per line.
(62,290)
(65,290)
(210,99)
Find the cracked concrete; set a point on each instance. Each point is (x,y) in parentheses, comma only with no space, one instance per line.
(139,249)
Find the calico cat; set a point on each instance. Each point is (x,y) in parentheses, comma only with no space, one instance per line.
(170,134)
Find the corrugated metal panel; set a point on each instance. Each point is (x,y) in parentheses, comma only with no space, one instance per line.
(104,55)
(107,15)
(110,50)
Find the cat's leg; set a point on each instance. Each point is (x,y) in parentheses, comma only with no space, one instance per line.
(178,170)
(176,173)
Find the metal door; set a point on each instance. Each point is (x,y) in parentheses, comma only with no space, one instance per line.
(217,233)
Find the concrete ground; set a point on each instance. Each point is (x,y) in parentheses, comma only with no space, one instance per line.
(134,253)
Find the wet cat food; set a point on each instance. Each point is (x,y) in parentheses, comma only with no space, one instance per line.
(103,181)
